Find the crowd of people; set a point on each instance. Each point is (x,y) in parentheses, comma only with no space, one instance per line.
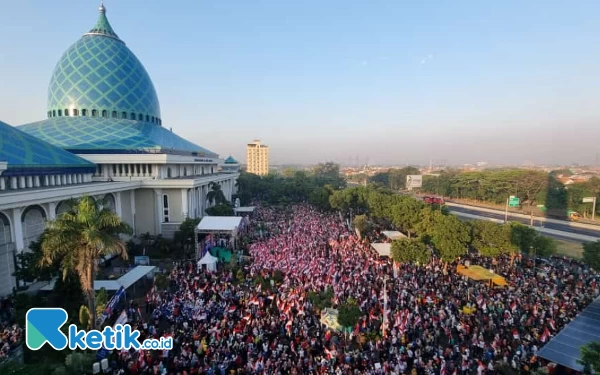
(11,335)
(415,319)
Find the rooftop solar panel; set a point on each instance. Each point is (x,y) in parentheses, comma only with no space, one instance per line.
(565,348)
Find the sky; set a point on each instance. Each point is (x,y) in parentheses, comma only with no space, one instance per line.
(391,82)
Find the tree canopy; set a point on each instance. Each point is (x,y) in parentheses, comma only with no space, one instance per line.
(531,186)
(410,251)
(591,254)
(78,238)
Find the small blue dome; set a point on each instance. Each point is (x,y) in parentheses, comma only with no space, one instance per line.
(99,76)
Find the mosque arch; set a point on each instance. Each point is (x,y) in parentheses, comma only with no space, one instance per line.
(62,207)
(33,221)
(109,202)
(5,230)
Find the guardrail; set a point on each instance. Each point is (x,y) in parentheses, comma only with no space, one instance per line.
(522,216)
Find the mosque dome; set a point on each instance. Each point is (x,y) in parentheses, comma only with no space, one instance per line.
(99,76)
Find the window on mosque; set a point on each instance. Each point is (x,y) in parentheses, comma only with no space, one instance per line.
(104,113)
(94,113)
(54,113)
(59,113)
(150,168)
(152,119)
(84,112)
(166,208)
(114,114)
(141,117)
(147,118)
(66,112)
(49,114)
(160,122)
(75,112)
(132,116)
(124,115)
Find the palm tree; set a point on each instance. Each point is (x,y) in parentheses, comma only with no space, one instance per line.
(78,238)
(216,194)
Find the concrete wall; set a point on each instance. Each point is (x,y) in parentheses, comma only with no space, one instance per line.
(126,212)
(175,207)
(145,206)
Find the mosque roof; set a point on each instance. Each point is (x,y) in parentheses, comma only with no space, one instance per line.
(26,154)
(91,135)
(99,73)
(231,160)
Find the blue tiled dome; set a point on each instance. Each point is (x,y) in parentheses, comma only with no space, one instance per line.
(99,76)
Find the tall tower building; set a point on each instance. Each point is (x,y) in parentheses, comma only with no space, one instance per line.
(257,158)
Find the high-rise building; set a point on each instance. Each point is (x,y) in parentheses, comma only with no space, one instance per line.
(257,158)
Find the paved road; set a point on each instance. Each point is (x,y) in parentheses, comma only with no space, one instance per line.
(561,227)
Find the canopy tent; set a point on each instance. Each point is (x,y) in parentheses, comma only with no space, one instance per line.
(219,224)
(208,260)
(124,281)
(383,249)
(244,210)
(393,234)
(479,273)
(565,347)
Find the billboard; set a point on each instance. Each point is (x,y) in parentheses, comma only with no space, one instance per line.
(414,181)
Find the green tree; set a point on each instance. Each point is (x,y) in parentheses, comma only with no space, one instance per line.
(161,282)
(491,239)
(101,301)
(410,251)
(450,237)
(220,210)
(85,317)
(348,314)
(544,246)
(319,197)
(590,357)
(591,254)
(28,265)
(394,179)
(216,195)
(320,300)
(361,222)
(79,237)
(406,214)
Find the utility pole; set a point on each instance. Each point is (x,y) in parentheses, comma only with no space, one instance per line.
(506,211)
(594,209)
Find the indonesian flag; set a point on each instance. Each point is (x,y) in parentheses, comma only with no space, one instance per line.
(328,353)
(552,325)
(254,301)
(479,300)
(248,317)
(516,335)
(271,297)
(232,309)
(513,306)
(545,335)
(288,326)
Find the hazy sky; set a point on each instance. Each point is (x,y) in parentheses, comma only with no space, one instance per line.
(397,81)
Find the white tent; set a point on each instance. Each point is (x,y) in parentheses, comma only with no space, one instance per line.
(383,249)
(219,224)
(393,234)
(209,260)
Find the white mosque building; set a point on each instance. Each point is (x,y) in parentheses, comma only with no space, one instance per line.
(103,137)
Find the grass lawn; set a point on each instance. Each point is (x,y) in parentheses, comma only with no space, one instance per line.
(569,248)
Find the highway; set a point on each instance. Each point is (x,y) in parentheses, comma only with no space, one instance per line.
(566,227)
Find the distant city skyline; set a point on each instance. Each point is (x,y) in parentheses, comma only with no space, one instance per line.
(508,83)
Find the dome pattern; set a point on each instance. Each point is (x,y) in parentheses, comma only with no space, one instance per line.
(99,76)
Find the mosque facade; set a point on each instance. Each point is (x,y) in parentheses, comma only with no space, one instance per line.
(104,137)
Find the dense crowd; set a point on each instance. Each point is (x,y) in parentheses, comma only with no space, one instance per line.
(11,335)
(415,320)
